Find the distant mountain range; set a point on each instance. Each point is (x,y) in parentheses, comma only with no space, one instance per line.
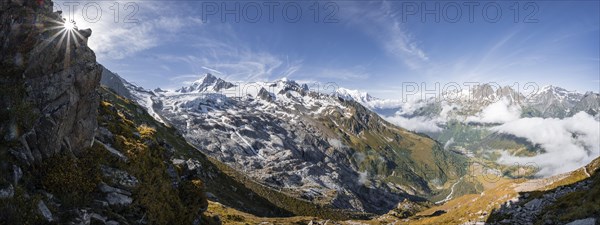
(547,102)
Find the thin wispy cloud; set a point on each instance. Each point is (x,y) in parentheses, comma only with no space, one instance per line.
(212,70)
(240,65)
(185,77)
(355,73)
(385,26)
(291,70)
(165,67)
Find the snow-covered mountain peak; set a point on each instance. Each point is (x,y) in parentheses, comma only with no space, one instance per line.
(588,93)
(558,93)
(356,95)
(206,79)
(208,83)
(553,88)
(287,83)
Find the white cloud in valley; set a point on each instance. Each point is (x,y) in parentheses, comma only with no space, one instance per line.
(569,143)
(498,112)
(418,124)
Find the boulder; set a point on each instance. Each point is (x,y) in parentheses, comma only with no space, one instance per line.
(118,199)
(17,174)
(533,204)
(108,189)
(86,216)
(7,192)
(120,177)
(44,211)
(97,219)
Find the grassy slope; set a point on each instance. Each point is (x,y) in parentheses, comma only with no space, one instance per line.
(410,159)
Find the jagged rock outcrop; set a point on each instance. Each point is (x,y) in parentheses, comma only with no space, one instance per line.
(265,95)
(590,103)
(48,102)
(574,203)
(528,212)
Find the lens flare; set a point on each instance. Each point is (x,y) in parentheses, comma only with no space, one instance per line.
(69,25)
(64,34)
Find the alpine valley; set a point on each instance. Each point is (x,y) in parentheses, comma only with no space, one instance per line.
(79,144)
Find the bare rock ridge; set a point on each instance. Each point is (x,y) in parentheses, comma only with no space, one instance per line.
(114,82)
(49,101)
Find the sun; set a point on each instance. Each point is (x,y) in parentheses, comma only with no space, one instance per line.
(69,25)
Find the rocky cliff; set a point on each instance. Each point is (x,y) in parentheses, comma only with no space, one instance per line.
(52,170)
(48,80)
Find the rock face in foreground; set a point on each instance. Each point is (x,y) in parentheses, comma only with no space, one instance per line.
(48,82)
(571,203)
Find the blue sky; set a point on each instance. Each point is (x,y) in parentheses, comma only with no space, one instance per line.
(373,46)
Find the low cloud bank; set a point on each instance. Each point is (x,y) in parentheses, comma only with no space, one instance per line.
(569,143)
(418,124)
(498,112)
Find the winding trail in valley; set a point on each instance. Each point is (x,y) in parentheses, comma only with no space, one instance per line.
(586,172)
(451,192)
